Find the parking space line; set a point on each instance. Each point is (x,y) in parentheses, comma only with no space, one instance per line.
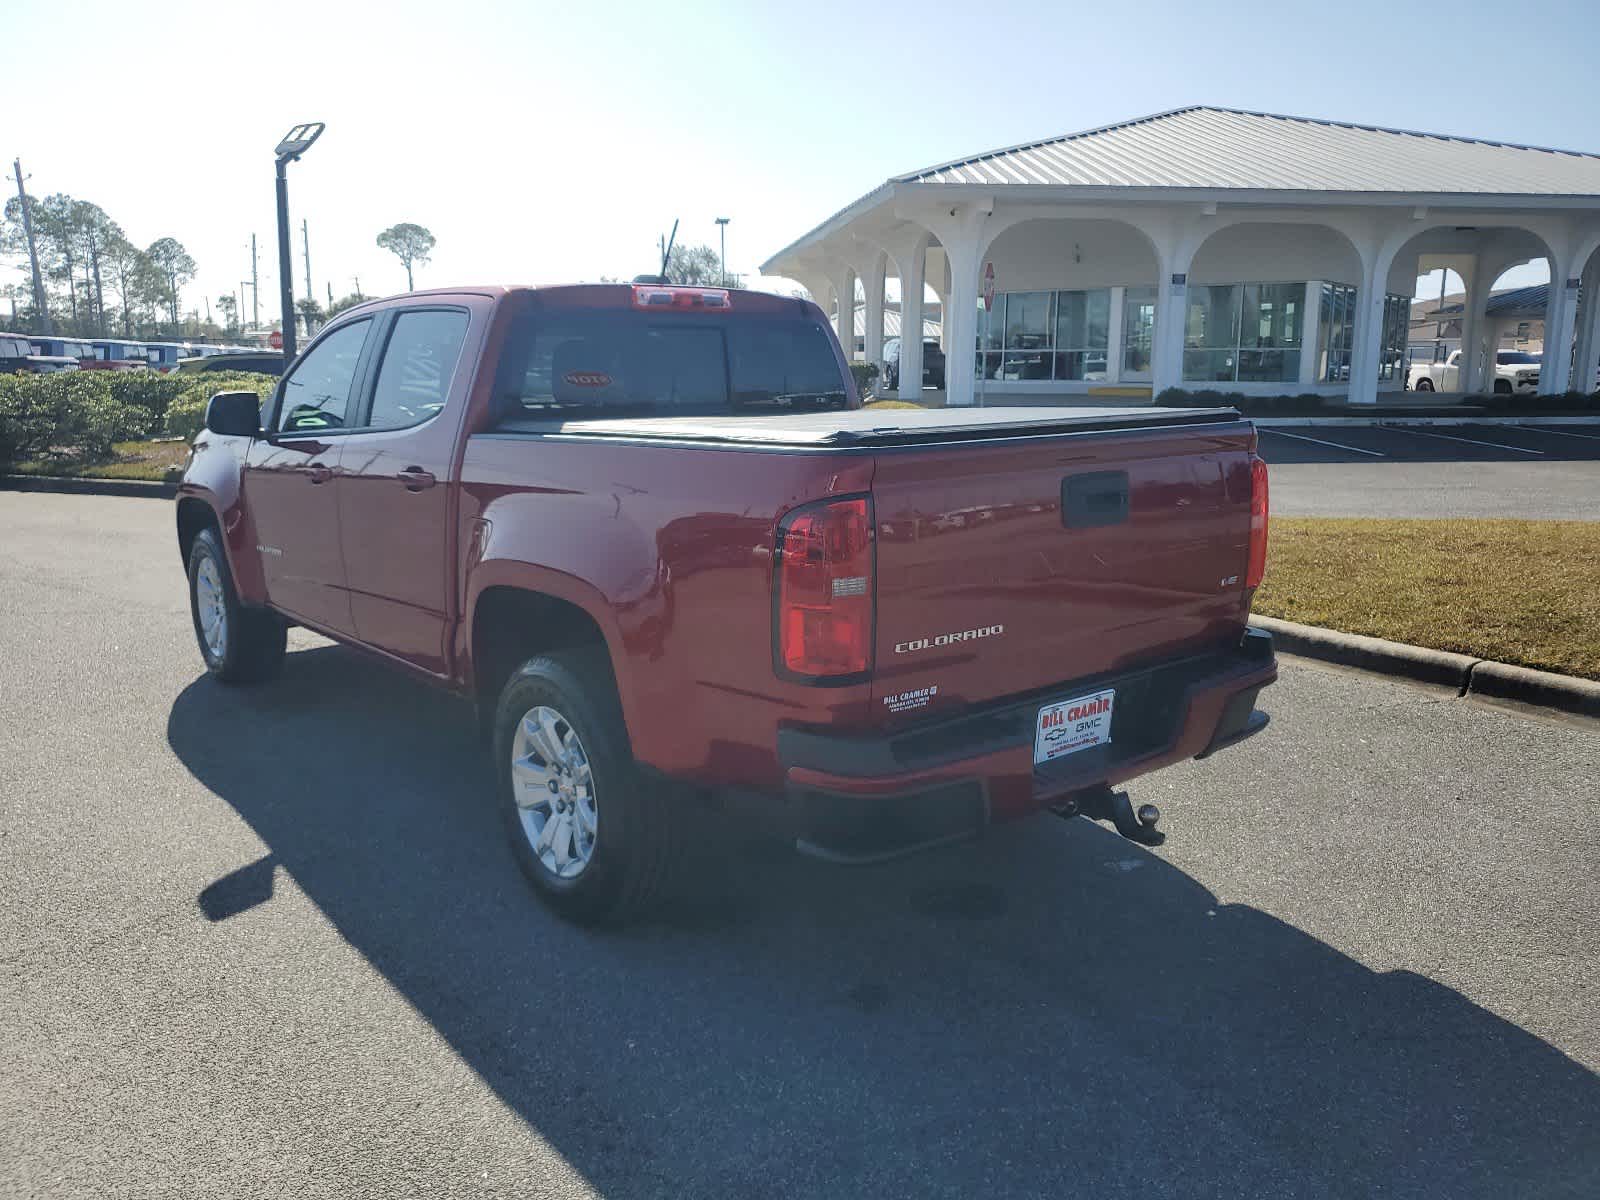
(1300,437)
(1588,437)
(1470,441)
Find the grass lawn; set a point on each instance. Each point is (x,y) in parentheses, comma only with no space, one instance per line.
(129,460)
(1525,592)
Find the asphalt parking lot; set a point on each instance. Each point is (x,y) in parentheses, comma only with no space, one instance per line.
(268,942)
(1543,472)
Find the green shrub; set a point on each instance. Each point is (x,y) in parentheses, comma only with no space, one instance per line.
(149,391)
(186,412)
(70,412)
(865,374)
(80,414)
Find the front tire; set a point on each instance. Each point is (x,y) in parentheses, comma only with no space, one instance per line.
(1424,385)
(239,644)
(596,841)
(1502,387)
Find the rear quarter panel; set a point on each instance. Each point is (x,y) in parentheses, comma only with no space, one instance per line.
(670,549)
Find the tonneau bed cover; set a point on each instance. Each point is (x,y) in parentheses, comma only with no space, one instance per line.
(880,426)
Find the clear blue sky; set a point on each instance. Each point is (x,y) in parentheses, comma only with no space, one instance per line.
(554,141)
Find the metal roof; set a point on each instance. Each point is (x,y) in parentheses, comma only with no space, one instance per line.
(1530,301)
(1203,147)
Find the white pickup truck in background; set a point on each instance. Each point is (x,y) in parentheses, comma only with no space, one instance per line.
(1514,371)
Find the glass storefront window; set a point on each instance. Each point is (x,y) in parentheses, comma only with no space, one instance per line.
(1138,330)
(1244,332)
(1028,320)
(1396,332)
(1336,332)
(1046,335)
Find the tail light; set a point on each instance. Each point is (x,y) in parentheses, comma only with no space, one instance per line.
(822,613)
(1256,565)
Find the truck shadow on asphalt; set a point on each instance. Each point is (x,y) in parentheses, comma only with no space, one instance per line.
(1048,1011)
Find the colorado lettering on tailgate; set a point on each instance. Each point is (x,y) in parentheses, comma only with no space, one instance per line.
(946,639)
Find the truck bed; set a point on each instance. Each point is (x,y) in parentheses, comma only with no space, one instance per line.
(879,427)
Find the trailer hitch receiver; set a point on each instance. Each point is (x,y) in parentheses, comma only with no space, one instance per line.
(1103,804)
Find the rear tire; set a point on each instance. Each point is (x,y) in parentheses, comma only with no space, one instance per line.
(239,644)
(596,839)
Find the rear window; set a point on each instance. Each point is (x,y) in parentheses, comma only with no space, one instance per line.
(598,364)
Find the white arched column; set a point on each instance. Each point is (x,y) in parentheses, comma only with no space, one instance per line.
(872,285)
(843,282)
(1174,257)
(1367,345)
(1586,363)
(1555,372)
(964,236)
(909,250)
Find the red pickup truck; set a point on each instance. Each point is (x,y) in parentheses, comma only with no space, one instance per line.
(651,532)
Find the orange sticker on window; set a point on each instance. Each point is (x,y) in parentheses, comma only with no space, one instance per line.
(587,378)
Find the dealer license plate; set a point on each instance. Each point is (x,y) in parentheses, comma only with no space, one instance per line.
(1072,725)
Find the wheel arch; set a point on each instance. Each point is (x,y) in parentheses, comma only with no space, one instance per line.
(194,515)
(511,621)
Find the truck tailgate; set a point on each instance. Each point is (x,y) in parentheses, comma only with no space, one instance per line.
(1009,568)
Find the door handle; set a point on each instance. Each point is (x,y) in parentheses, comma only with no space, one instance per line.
(320,473)
(416,479)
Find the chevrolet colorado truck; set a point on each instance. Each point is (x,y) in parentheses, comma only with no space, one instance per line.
(651,533)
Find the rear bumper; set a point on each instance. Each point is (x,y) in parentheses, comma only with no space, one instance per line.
(949,777)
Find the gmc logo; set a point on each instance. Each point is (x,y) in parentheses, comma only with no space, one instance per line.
(947,639)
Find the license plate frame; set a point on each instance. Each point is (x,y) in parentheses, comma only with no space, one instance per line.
(1065,727)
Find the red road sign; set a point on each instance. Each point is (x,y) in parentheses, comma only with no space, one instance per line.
(988,287)
(275,340)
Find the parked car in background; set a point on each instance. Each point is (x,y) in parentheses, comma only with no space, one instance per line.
(1515,371)
(652,534)
(18,357)
(267,362)
(116,355)
(932,363)
(54,347)
(165,356)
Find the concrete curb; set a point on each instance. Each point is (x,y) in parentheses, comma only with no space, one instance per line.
(1374,654)
(1461,672)
(88,487)
(1509,682)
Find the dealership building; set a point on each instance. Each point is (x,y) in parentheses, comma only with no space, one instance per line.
(1210,248)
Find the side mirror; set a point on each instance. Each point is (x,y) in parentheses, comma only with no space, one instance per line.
(234,414)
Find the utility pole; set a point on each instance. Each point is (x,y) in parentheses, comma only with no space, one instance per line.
(722,259)
(305,240)
(255,292)
(358,287)
(330,295)
(41,308)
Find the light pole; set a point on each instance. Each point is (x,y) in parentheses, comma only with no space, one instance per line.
(295,143)
(722,261)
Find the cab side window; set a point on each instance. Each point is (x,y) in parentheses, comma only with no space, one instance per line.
(418,364)
(316,398)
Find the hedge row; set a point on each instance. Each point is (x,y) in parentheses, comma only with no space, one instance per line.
(82,413)
(1310,404)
